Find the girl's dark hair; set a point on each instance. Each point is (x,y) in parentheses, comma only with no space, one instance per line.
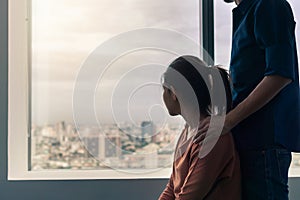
(193,70)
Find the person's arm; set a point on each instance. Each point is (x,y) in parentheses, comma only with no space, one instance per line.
(168,193)
(203,173)
(265,91)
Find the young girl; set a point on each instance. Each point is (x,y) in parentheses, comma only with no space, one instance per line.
(216,175)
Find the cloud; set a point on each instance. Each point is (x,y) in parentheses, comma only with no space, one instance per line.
(66,31)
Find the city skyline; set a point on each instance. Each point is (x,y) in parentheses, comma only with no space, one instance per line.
(60,146)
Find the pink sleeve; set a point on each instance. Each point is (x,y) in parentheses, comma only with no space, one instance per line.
(168,193)
(203,173)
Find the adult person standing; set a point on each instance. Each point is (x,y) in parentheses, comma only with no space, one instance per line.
(265,83)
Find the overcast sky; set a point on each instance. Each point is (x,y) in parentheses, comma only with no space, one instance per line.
(65,32)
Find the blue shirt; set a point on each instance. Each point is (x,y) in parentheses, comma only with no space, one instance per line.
(264,44)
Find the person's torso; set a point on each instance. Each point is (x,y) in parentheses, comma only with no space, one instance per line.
(270,125)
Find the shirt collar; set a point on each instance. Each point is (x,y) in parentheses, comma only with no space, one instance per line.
(244,6)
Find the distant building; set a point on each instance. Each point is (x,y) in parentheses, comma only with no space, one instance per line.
(103,147)
(113,146)
(147,129)
(92,144)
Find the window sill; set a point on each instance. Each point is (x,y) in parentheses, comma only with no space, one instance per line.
(89,175)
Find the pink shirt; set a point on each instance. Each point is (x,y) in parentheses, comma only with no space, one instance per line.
(214,177)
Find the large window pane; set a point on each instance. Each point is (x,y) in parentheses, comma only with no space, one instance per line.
(64,32)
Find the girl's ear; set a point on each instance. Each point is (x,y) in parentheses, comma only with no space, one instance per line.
(173,95)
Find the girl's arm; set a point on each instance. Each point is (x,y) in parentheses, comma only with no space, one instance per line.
(168,193)
(203,173)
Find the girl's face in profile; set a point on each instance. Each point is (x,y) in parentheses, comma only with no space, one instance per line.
(171,101)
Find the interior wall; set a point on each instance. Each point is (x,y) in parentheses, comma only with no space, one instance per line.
(75,190)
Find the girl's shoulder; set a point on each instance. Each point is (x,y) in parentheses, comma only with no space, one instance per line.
(222,145)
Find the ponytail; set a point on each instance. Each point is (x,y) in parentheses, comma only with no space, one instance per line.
(190,67)
(227,86)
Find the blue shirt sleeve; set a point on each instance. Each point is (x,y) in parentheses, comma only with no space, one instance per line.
(274,30)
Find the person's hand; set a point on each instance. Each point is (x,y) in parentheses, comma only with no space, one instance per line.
(202,130)
(216,127)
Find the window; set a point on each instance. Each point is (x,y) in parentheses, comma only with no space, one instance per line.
(296,8)
(223,31)
(51,44)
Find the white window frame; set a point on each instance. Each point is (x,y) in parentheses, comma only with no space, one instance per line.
(18,109)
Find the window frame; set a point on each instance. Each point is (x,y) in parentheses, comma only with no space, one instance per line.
(19,48)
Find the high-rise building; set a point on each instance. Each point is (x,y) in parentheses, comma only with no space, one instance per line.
(91,143)
(148,129)
(113,145)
